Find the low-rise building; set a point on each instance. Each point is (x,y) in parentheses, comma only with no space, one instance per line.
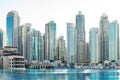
(10,59)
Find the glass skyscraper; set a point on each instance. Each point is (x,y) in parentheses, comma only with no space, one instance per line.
(113,30)
(61,49)
(35,46)
(24,30)
(12,24)
(104,44)
(94,45)
(1,38)
(80,36)
(70,57)
(50,40)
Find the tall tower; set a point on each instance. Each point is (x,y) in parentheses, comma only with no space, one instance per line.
(12,24)
(1,38)
(80,36)
(24,30)
(61,49)
(35,46)
(113,40)
(70,57)
(50,40)
(94,46)
(104,45)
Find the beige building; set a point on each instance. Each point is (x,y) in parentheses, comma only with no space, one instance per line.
(10,59)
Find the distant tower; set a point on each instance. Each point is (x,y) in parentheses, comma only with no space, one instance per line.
(61,49)
(12,24)
(35,46)
(24,30)
(104,44)
(94,45)
(80,38)
(113,40)
(50,40)
(1,38)
(70,57)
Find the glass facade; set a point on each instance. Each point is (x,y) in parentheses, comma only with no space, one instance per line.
(80,36)
(70,43)
(104,44)
(35,46)
(23,32)
(61,49)
(50,40)
(94,45)
(12,24)
(113,40)
(1,38)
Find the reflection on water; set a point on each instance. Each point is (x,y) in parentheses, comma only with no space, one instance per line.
(66,74)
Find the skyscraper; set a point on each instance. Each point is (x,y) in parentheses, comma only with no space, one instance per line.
(50,40)
(61,49)
(70,57)
(1,38)
(94,45)
(113,31)
(24,30)
(80,36)
(35,46)
(104,44)
(12,24)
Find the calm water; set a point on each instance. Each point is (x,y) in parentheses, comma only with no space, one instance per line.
(58,74)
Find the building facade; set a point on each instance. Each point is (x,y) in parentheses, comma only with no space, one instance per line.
(61,49)
(50,40)
(12,24)
(35,47)
(10,59)
(70,43)
(1,38)
(104,44)
(24,30)
(80,36)
(113,31)
(94,45)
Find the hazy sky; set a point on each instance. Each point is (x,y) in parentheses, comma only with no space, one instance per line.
(40,12)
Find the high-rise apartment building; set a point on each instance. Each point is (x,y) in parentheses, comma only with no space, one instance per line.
(50,40)
(1,38)
(61,49)
(35,47)
(70,57)
(113,31)
(80,36)
(12,24)
(94,45)
(23,31)
(104,44)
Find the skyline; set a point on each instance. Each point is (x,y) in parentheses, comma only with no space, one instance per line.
(62,12)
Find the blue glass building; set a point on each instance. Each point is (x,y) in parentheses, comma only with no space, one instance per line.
(61,49)
(104,44)
(1,39)
(70,57)
(12,24)
(94,45)
(50,40)
(35,46)
(80,36)
(23,32)
(113,40)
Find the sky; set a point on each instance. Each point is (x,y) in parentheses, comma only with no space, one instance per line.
(40,12)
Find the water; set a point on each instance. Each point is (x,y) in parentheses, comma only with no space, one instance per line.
(59,74)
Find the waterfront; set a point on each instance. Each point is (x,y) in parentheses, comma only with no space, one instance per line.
(59,74)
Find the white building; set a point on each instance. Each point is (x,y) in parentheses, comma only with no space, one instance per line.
(13,62)
(10,59)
